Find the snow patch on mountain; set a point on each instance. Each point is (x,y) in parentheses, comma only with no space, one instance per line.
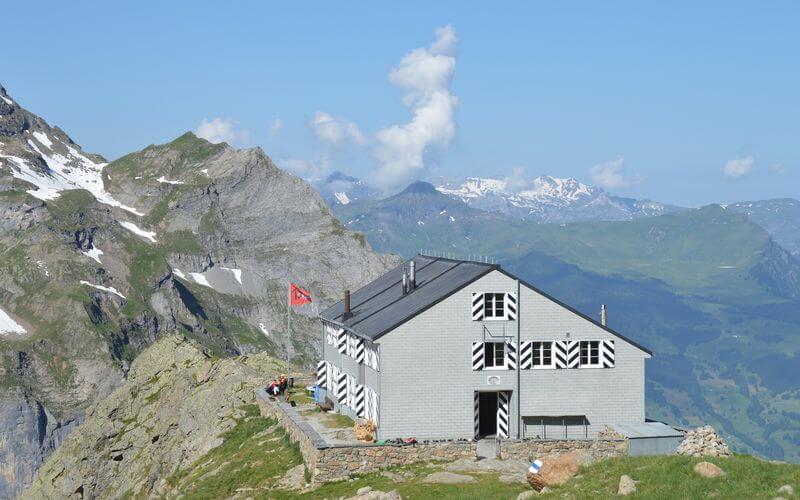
(164,180)
(200,279)
(237,273)
(8,325)
(94,253)
(342,198)
(130,226)
(72,170)
(109,289)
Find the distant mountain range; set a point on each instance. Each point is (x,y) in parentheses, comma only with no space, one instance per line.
(712,291)
(549,199)
(544,199)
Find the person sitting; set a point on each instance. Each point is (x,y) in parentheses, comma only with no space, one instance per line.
(274,388)
(283,383)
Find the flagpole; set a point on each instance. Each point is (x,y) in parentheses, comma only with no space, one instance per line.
(289,324)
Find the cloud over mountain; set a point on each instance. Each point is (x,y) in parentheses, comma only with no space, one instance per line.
(424,75)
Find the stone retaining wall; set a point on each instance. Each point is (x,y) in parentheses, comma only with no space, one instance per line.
(329,463)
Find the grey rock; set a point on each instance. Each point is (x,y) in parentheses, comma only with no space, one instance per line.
(448,478)
(786,490)
(627,486)
(364,490)
(708,470)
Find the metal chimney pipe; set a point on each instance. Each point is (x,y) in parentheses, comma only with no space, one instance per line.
(412,276)
(405,282)
(346,313)
(603,314)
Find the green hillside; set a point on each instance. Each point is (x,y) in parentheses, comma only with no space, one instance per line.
(708,290)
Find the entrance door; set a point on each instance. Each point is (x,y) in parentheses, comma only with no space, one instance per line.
(487,416)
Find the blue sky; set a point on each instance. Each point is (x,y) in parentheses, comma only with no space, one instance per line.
(686,103)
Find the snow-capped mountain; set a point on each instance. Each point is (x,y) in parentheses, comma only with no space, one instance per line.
(549,199)
(342,189)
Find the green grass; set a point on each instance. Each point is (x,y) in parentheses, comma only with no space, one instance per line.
(336,421)
(664,477)
(249,457)
(484,487)
(673,477)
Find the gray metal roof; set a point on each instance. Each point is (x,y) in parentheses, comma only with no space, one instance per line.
(646,430)
(381,306)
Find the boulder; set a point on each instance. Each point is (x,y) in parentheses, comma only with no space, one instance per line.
(708,470)
(448,478)
(559,469)
(626,486)
(786,490)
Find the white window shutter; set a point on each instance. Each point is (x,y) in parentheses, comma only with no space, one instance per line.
(511,306)
(502,413)
(341,388)
(478,355)
(607,353)
(478,306)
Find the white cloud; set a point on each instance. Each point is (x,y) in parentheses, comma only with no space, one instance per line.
(779,169)
(517,182)
(335,131)
(738,167)
(425,75)
(307,169)
(275,127)
(611,174)
(222,130)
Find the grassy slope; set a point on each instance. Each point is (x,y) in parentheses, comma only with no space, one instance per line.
(256,454)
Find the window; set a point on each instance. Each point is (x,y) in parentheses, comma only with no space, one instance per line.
(494,304)
(590,353)
(566,427)
(495,354)
(542,354)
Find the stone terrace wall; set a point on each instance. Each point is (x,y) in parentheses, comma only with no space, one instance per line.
(329,463)
(589,450)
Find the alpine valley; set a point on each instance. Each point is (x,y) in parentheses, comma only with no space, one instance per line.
(715,291)
(184,251)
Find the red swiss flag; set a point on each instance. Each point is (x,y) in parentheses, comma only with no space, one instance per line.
(299,296)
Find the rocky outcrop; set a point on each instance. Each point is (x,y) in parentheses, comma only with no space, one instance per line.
(98,261)
(171,411)
(703,441)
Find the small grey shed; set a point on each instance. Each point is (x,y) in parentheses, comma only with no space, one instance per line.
(650,438)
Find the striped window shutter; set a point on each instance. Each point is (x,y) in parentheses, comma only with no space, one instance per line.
(511,306)
(560,353)
(359,350)
(478,353)
(477,413)
(351,345)
(322,374)
(511,355)
(341,388)
(341,339)
(478,302)
(573,354)
(607,353)
(502,413)
(360,407)
(526,356)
